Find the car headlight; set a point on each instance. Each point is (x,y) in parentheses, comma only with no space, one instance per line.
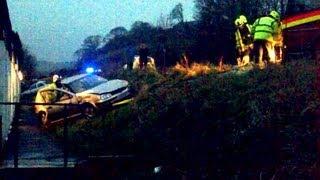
(105,96)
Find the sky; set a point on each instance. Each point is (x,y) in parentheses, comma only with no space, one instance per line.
(54,29)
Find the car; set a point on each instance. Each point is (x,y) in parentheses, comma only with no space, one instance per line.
(88,94)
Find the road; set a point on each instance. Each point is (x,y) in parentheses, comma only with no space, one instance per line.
(36,146)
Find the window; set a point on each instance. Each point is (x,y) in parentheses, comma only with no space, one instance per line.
(33,86)
(40,84)
(86,83)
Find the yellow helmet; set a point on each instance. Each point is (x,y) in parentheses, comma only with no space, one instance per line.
(275,15)
(243,19)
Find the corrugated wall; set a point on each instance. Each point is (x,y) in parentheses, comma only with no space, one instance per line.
(9,89)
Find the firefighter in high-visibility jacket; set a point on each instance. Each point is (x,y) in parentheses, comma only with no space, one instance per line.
(266,32)
(243,40)
(49,94)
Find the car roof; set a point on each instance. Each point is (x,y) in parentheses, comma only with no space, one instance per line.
(72,78)
(35,83)
(40,81)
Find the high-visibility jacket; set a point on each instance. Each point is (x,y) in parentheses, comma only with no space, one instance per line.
(243,37)
(266,28)
(48,94)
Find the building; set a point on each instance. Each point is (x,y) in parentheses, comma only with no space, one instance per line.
(9,70)
(302,34)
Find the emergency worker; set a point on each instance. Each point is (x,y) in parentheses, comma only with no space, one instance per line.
(49,93)
(55,82)
(243,40)
(143,61)
(143,54)
(266,30)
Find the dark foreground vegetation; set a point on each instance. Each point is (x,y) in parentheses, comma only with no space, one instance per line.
(258,123)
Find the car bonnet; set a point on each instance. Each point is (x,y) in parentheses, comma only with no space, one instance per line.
(109,86)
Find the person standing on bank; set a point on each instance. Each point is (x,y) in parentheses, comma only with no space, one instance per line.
(266,30)
(243,40)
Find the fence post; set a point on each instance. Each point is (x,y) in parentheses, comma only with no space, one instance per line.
(65,139)
(15,132)
(1,140)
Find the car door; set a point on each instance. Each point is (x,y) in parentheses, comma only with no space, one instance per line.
(60,111)
(47,96)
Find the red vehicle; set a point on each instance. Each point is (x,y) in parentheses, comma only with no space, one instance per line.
(301,33)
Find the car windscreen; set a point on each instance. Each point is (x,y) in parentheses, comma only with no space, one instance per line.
(33,86)
(86,83)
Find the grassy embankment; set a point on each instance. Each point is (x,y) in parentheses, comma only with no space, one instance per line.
(250,121)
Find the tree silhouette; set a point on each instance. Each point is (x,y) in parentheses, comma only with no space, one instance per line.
(177,13)
(118,31)
(88,52)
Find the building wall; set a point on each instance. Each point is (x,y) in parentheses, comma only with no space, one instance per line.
(9,89)
(301,38)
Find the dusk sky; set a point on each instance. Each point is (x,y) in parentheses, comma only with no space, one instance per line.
(54,29)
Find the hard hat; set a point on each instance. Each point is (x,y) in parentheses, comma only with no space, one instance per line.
(55,78)
(275,15)
(243,19)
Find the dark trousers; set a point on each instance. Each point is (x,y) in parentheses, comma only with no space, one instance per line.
(262,50)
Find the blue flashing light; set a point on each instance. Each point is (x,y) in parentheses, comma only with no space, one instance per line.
(90,70)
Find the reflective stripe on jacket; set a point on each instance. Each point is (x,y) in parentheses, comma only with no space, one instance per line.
(265,28)
(240,43)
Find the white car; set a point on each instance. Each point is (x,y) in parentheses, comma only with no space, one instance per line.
(91,92)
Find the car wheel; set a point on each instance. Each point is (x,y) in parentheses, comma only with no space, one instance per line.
(89,111)
(43,119)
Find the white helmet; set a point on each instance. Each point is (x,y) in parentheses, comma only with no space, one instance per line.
(55,78)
